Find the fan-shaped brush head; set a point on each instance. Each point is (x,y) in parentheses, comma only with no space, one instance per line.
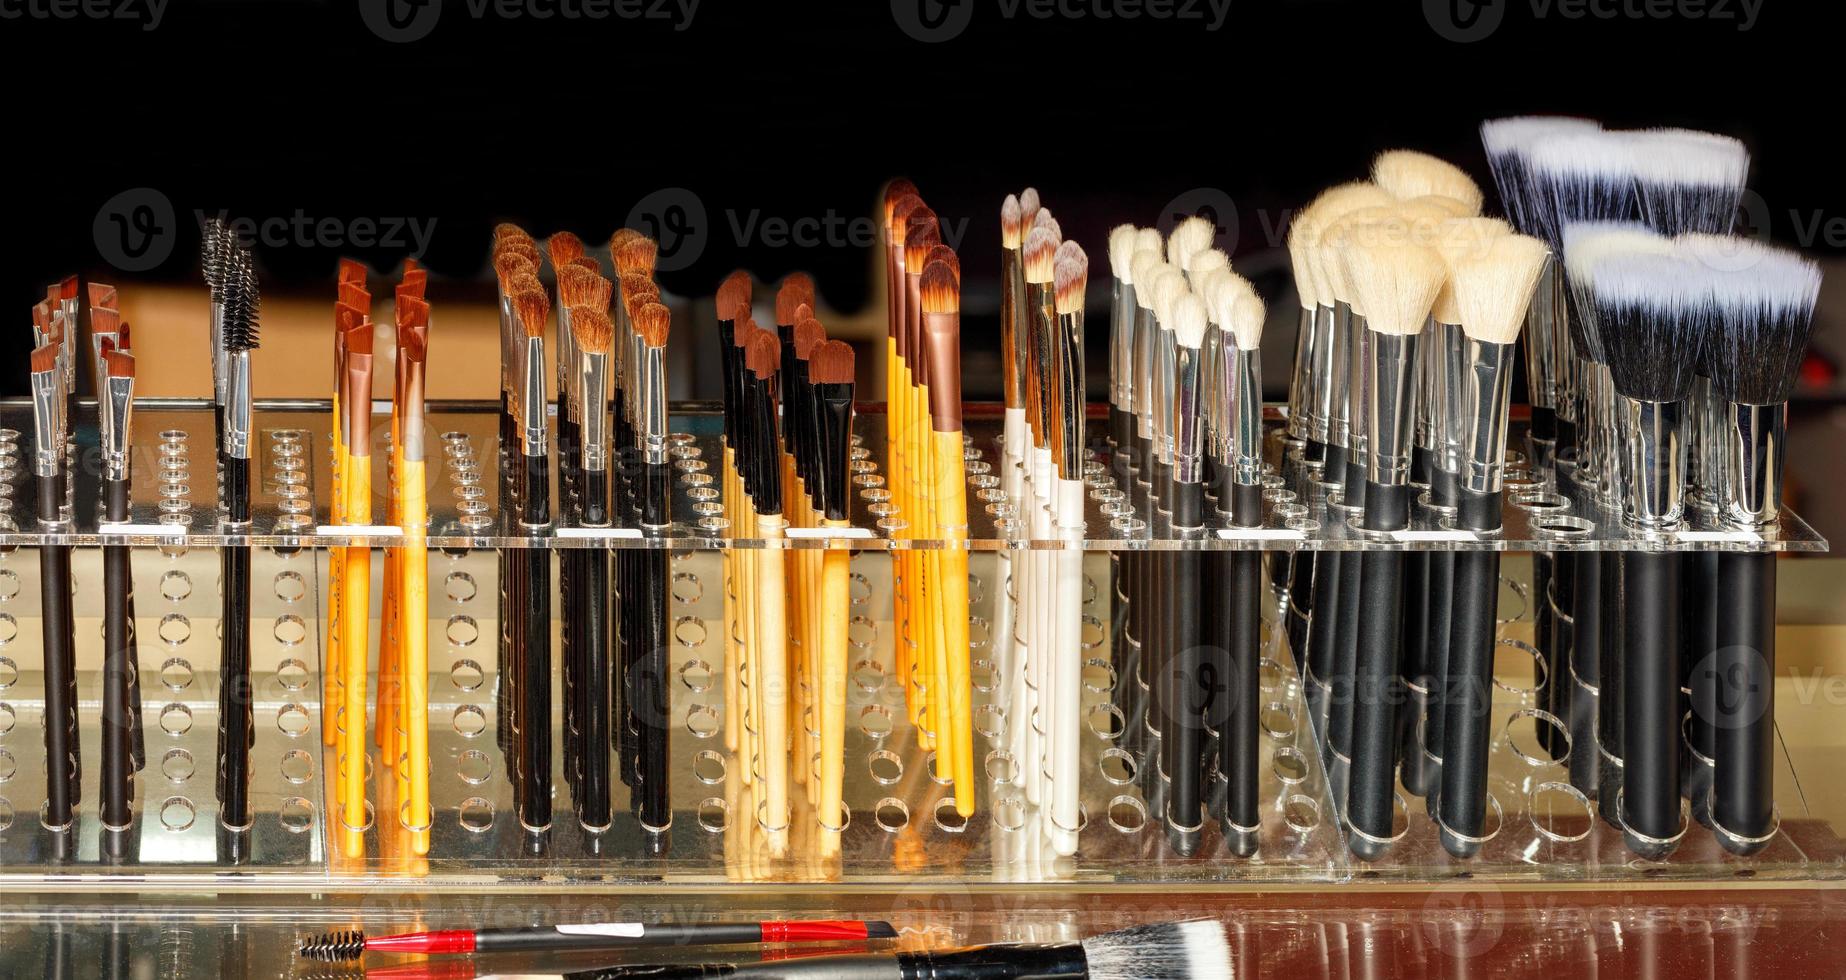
(1765,313)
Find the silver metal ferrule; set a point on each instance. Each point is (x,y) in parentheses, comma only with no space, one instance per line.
(1217,413)
(1423,375)
(1165,372)
(1118,331)
(237,400)
(118,415)
(47,427)
(1713,420)
(1604,434)
(1447,352)
(1301,380)
(1753,439)
(1320,374)
(1339,378)
(592,382)
(1358,390)
(1653,462)
(1483,407)
(1188,442)
(651,403)
(533,436)
(1389,399)
(1242,374)
(567,357)
(220,365)
(1143,393)
(1541,334)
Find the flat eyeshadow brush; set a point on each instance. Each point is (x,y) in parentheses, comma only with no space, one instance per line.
(1491,291)
(1765,319)
(594,332)
(236,719)
(1396,285)
(762,476)
(940,294)
(62,742)
(355,590)
(119,761)
(412,315)
(831,371)
(532,571)
(652,324)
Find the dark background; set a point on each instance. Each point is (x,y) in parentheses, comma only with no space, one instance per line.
(804,109)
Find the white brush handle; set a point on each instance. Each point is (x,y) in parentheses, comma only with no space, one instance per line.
(1067,669)
(1009,655)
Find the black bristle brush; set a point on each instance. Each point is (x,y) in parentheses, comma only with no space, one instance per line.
(1765,316)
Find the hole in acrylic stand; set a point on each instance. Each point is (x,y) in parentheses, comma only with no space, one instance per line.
(468,720)
(296,815)
(176,673)
(948,819)
(177,765)
(702,720)
(1117,766)
(476,815)
(708,767)
(466,675)
(891,814)
(1127,814)
(292,674)
(292,720)
(1009,813)
(297,766)
(474,767)
(176,719)
(1001,768)
(1289,765)
(886,767)
(1301,813)
(875,721)
(714,815)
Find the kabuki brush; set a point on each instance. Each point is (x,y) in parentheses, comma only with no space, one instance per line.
(351,944)
(1237,389)
(1765,316)
(1655,321)
(1396,285)
(236,712)
(1492,289)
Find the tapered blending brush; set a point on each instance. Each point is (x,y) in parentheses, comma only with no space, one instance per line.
(1408,174)
(63,747)
(120,710)
(1041,336)
(580,286)
(1070,277)
(635,291)
(1491,293)
(1238,389)
(1656,315)
(652,324)
(762,479)
(1396,285)
(1765,317)
(1184,725)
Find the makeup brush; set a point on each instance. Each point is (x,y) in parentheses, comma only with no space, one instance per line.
(1408,174)
(532,573)
(732,306)
(412,316)
(921,235)
(592,332)
(939,291)
(1765,318)
(1184,815)
(1168,951)
(63,747)
(236,712)
(348,945)
(1238,389)
(1041,325)
(217,245)
(1396,285)
(1656,316)
(762,480)
(356,584)
(1491,292)
(563,249)
(652,324)
(830,370)
(119,696)
(580,284)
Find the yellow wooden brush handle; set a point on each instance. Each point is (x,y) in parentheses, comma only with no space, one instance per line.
(413,618)
(354,628)
(835,609)
(733,698)
(952,526)
(332,674)
(773,636)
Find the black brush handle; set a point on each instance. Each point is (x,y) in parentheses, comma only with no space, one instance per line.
(1241,739)
(236,711)
(1581,592)
(655,749)
(1546,627)
(1186,762)
(1008,962)
(535,647)
(1705,620)
(1468,684)
(1611,724)
(1377,691)
(1554,645)
(118,758)
(1346,630)
(62,745)
(597,668)
(1743,727)
(1438,606)
(1650,694)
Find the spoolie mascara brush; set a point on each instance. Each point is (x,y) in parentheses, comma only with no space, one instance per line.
(236,719)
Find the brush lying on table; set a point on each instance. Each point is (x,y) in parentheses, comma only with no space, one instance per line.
(352,944)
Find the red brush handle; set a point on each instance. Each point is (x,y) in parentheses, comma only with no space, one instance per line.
(812,931)
(451,941)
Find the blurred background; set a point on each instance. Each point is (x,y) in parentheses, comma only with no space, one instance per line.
(757,136)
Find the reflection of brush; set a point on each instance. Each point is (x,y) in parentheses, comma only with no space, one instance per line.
(1168,951)
(349,945)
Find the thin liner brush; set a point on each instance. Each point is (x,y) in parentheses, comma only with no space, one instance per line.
(1238,389)
(652,325)
(1656,315)
(1491,292)
(1765,319)
(1396,285)
(830,369)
